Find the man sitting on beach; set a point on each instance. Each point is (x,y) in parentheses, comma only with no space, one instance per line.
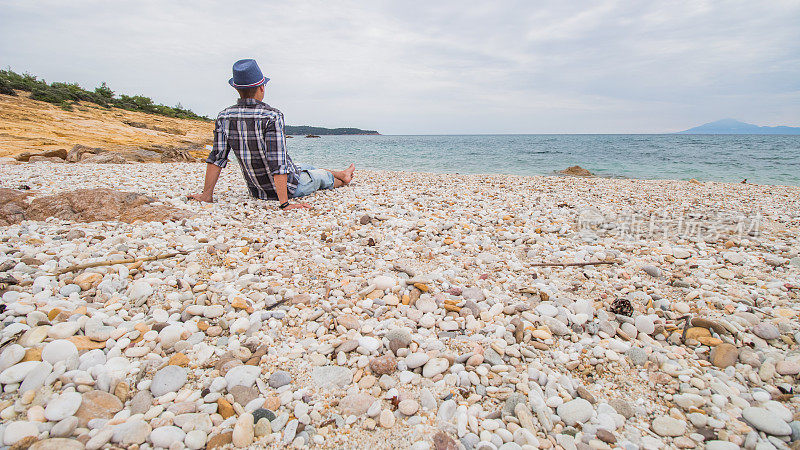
(254,131)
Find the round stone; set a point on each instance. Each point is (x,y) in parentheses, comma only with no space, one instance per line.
(64,406)
(546,309)
(243,375)
(279,378)
(99,405)
(166,436)
(16,431)
(652,270)
(169,379)
(59,350)
(415,360)
(386,419)
(384,282)
(575,411)
(644,324)
(140,290)
(668,426)
(17,372)
(637,355)
(11,355)
(764,420)
(724,355)
(170,335)
(435,367)
(356,404)
(408,407)
(330,377)
(766,331)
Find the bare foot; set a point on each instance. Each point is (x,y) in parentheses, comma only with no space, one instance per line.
(201,197)
(348,174)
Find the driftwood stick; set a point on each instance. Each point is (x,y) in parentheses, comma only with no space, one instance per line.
(276,304)
(574,264)
(118,261)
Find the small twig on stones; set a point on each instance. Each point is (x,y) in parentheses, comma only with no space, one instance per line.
(276,304)
(686,324)
(574,264)
(118,261)
(9,280)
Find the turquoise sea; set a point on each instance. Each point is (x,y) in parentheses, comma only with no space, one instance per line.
(731,158)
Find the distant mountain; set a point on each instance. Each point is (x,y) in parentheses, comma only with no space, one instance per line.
(306,130)
(731,126)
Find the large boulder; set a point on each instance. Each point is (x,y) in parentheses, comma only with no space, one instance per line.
(85,205)
(51,155)
(576,171)
(12,206)
(77,152)
(105,158)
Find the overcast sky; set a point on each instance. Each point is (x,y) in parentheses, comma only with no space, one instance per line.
(440,67)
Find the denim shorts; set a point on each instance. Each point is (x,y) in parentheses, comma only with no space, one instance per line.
(312,180)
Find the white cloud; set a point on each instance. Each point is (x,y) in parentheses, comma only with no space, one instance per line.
(433,67)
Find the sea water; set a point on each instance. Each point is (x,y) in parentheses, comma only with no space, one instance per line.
(729,158)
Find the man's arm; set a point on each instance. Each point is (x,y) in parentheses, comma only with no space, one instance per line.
(276,148)
(283,193)
(217,159)
(212,175)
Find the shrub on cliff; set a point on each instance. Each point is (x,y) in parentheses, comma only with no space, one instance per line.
(65,94)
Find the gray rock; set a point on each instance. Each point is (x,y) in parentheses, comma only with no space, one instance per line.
(766,331)
(279,378)
(622,407)
(651,270)
(637,355)
(474,294)
(331,377)
(795,426)
(764,420)
(64,428)
(512,401)
(141,402)
(492,357)
(263,413)
(470,440)
(399,334)
(575,411)
(168,379)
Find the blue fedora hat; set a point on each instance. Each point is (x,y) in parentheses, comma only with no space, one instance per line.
(246,74)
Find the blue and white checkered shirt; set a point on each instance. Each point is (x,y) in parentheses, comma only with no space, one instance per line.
(254,131)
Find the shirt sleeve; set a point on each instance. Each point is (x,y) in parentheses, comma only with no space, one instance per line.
(219,154)
(276,146)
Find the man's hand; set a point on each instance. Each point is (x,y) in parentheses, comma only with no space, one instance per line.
(201,197)
(297,206)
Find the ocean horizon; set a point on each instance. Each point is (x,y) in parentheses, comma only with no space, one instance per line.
(761,159)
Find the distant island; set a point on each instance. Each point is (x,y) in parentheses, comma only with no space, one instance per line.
(304,130)
(731,126)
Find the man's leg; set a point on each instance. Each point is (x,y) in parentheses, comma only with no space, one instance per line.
(342,177)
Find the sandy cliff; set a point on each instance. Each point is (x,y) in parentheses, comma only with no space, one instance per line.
(32,126)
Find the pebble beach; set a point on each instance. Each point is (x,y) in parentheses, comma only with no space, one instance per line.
(406,310)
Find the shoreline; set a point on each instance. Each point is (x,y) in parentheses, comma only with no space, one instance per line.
(409,287)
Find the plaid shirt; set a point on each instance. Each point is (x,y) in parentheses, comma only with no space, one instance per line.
(254,131)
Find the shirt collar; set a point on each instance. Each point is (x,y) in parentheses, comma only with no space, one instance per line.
(248,101)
